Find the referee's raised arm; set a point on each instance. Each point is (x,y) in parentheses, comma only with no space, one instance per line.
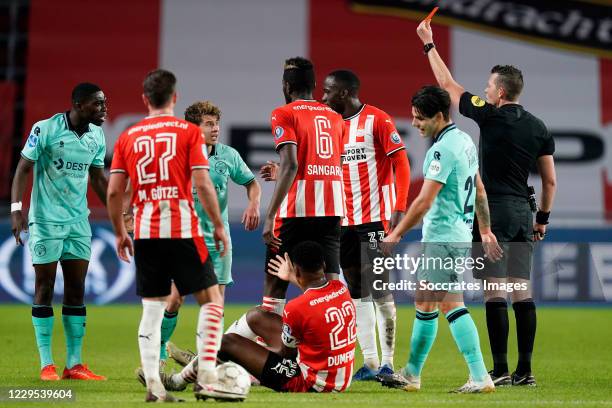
(439,68)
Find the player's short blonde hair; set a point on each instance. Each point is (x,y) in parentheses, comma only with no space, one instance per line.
(197,110)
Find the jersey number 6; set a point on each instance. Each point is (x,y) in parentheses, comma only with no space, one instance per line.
(325,147)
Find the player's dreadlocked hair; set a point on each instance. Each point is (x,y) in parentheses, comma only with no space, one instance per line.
(159,87)
(510,78)
(347,79)
(299,74)
(84,91)
(308,255)
(430,100)
(197,110)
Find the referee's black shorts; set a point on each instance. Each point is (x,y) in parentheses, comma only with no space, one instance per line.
(323,230)
(161,261)
(512,224)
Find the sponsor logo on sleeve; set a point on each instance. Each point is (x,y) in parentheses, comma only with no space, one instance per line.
(278,132)
(435,167)
(477,101)
(437,155)
(395,138)
(32,140)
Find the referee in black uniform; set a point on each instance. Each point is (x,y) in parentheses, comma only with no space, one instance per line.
(512,141)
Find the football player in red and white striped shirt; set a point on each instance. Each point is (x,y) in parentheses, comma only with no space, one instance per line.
(373,152)
(308,196)
(312,347)
(161,155)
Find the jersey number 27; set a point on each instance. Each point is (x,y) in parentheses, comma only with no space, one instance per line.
(147,145)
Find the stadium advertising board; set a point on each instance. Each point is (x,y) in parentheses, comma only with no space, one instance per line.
(567,268)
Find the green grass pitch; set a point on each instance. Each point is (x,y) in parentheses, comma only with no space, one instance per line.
(572,362)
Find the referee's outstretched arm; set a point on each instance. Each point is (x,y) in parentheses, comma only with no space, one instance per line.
(441,72)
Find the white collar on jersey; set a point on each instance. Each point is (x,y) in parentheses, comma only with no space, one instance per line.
(318,287)
(358,112)
(159,114)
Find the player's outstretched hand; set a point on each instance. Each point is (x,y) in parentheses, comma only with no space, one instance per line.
(282,268)
(19,222)
(250,218)
(268,234)
(424,32)
(124,247)
(268,171)
(389,243)
(221,241)
(492,249)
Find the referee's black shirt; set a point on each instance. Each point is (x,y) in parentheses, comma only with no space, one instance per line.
(511,140)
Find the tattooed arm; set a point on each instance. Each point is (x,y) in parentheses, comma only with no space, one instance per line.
(489,241)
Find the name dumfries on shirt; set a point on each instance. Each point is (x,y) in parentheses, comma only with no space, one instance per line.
(341,359)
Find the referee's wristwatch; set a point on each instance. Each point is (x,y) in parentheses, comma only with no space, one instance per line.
(428,47)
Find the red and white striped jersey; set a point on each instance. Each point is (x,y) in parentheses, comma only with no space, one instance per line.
(158,154)
(321,324)
(318,132)
(371,136)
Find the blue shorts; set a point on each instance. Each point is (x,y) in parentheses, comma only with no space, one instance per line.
(222,266)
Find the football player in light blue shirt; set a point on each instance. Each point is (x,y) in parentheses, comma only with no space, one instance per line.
(65,152)
(225,165)
(451,192)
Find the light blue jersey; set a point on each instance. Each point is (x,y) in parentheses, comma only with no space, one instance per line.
(225,164)
(62,160)
(453,161)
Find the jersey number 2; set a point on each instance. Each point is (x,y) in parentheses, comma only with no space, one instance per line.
(469,187)
(147,144)
(344,332)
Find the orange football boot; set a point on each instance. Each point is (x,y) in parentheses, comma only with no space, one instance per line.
(81,372)
(49,373)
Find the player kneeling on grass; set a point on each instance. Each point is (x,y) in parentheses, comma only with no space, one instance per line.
(319,325)
(446,205)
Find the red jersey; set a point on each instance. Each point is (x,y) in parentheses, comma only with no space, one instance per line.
(321,324)
(317,131)
(368,174)
(158,154)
